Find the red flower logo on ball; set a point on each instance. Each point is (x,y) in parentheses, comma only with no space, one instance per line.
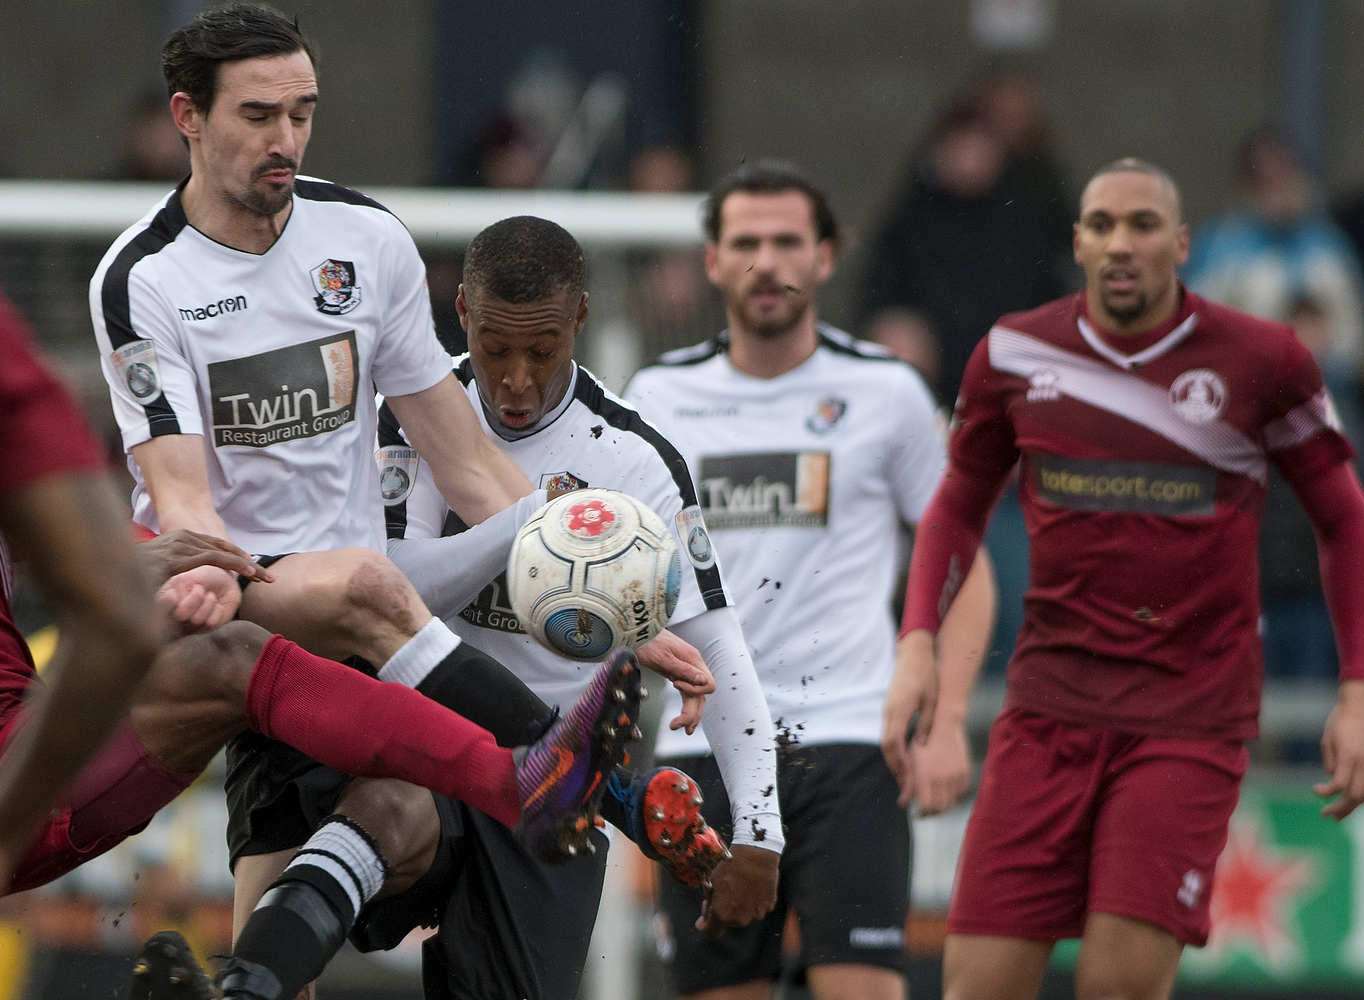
(590,519)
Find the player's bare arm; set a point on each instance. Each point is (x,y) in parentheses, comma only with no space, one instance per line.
(947,540)
(176,473)
(941,756)
(1334,502)
(475,478)
(70,531)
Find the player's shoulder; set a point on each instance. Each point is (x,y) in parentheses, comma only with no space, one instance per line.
(315,189)
(1049,321)
(159,228)
(683,362)
(1213,317)
(631,431)
(870,365)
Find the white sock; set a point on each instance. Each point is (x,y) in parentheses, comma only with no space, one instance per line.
(346,853)
(419,655)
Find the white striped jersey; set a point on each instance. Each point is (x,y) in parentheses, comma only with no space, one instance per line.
(805,481)
(272,358)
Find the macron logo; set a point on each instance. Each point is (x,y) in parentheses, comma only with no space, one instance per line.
(213,309)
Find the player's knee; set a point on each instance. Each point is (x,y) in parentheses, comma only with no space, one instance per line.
(1112,981)
(403,821)
(194,699)
(375,593)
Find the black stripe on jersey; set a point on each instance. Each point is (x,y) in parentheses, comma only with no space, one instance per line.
(464,371)
(590,393)
(695,354)
(391,433)
(854,348)
(160,232)
(327,191)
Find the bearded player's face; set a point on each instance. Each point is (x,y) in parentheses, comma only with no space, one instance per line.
(252,140)
(522,352)
(1130,240)
(768,259)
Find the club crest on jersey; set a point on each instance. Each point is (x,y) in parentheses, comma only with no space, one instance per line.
(397,473)
(828,412)
(136,365)
(561,482)
(337,292)
(1199,395)
(691,532)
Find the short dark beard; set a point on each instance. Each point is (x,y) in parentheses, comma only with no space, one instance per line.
(266,203)
(1127,315)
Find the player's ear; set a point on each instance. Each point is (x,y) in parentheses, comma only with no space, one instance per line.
(826,251)
(462,308)
(712,271)
(187,117)
(580,320)
(1075,240)
(1182,244)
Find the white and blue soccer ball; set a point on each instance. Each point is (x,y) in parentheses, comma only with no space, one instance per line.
(592,570)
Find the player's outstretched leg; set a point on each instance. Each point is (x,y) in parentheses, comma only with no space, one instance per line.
(562,776)
(166,970)
(661,812)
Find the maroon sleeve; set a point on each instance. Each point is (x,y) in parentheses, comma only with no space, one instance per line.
(41,430)
(1334,502)
(1302,430)
(981,454)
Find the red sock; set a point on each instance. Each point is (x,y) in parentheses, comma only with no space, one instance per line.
(358,725)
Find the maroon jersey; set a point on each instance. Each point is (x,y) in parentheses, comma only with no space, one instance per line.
(1142,481)
(41,433)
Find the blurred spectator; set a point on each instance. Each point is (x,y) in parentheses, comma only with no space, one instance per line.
(152,147)
(965,242)
(1011,101)
(909,336)
(504,156)
(1282,248)
(668,299)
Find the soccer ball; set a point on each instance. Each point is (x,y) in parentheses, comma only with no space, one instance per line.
(592,570)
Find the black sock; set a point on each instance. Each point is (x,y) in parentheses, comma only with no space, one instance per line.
(302,920)
(479,688)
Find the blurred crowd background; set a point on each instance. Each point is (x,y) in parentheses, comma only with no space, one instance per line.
(952,135)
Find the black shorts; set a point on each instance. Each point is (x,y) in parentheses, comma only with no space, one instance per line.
(264,562)
(844,870)
(511,927)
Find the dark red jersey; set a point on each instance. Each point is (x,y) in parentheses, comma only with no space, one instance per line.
(1142,480)
(41,433)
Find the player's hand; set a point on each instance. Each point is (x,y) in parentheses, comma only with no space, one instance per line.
(201,599)
(743,889)
(941,767)
(911,699)
(1342,752)
(679,661)
(182,550)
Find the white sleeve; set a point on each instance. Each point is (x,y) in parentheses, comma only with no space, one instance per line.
(408,357)
(449,572)
(152,385)
(738,727)
(918,455)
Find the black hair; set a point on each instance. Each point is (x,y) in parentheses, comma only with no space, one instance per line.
(524,259)
(1134,165)
(192,54)
(769,177)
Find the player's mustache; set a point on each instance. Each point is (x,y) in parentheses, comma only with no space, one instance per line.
(276,163)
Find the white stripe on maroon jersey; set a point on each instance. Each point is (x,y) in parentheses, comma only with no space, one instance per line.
(1302,422)
(1216,442)
(1164,345)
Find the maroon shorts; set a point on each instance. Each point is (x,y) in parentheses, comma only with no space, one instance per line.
(115,795)
(1071,821)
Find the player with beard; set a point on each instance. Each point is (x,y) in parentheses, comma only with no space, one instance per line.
(1145,418)
(242,323)
(811,451)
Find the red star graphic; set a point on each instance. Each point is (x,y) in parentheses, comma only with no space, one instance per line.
(1253,895)
(590,518)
